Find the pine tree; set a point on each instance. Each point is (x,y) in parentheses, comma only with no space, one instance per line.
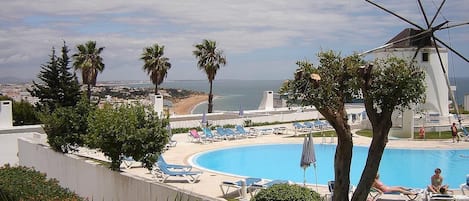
(58,87)
(69,81)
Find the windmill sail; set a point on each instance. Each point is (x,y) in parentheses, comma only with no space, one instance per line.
(424,38)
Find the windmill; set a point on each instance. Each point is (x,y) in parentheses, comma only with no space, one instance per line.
(421,37)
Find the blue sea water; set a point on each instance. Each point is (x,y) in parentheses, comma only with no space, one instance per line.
(230,95)
(233,95)
(462,88)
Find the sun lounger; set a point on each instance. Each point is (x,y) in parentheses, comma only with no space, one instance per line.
(225,133)
(129,162)
(171,142)
(432,196)
(163,172)
(464,135)
(173,166)
(237,185)
(319,124)
(263,185)
(209,135)
(464,187)
(195,137)
(242,132)
(280,130)
(309,125)
(300,127)
(330,185)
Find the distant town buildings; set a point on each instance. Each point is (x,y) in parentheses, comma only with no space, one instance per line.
(104,93)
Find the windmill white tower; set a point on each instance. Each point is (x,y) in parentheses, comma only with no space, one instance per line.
(427,58)
(420,45)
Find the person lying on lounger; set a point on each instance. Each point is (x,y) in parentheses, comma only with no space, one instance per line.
(378,185)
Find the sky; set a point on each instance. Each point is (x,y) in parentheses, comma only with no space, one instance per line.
(261,39)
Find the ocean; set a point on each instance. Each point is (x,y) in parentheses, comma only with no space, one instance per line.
(233,95)
(230,95)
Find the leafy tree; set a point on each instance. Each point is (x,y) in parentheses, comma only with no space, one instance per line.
(127,131)
(327,87)
(66,126)
(59,87)
(210,60)
(24,113)
(389,86)
(90,62)
(156,65)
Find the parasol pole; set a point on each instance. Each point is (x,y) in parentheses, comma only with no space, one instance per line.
(316,174)
(304,176)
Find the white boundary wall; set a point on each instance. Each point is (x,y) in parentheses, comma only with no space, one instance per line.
(288,116)
(93,181)
(9,147)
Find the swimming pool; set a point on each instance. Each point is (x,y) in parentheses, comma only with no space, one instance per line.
(404,167)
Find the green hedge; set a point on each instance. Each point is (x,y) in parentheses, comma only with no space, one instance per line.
(22,183)
(286,192)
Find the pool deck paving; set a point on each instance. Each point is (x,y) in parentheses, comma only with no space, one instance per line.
(209,182)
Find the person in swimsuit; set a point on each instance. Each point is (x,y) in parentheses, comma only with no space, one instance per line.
(454,132)
(437,182)
(378,185)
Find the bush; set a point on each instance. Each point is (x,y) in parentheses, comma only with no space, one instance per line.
(22,183)
(127,131)
(286,192)
(66,126)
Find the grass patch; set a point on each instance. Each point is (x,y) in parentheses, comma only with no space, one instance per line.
(428,135)
(327,133)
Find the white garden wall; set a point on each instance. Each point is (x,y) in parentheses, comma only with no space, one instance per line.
(93,181)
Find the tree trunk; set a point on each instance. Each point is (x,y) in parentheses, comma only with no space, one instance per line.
(88,94)
(156,89)
(342,159)
(342,162)
(375,153)
(343,152)
(210,98)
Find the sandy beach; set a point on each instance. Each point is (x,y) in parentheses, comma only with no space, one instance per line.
(185,106)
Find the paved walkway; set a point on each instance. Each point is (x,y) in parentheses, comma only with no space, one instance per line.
(210,181)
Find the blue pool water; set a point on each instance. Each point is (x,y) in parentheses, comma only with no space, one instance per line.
(404,167)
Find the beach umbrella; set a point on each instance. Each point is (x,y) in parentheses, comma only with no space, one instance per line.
(204,119)
(308,157)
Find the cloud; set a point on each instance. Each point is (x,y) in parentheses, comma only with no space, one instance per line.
(242,28)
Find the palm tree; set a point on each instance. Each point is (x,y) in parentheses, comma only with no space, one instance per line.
(155,64)
(89,61)
(210,60)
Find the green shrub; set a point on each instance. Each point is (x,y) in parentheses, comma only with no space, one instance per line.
(286,192)
(22,183)
(66,126)
(127,131)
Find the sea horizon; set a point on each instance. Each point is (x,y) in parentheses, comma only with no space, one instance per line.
(236,95)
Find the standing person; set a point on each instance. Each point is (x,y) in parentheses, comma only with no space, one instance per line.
(437,183)
(422,132)
(454,132)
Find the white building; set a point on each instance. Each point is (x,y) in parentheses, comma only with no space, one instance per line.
(427,57)
(436,106)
